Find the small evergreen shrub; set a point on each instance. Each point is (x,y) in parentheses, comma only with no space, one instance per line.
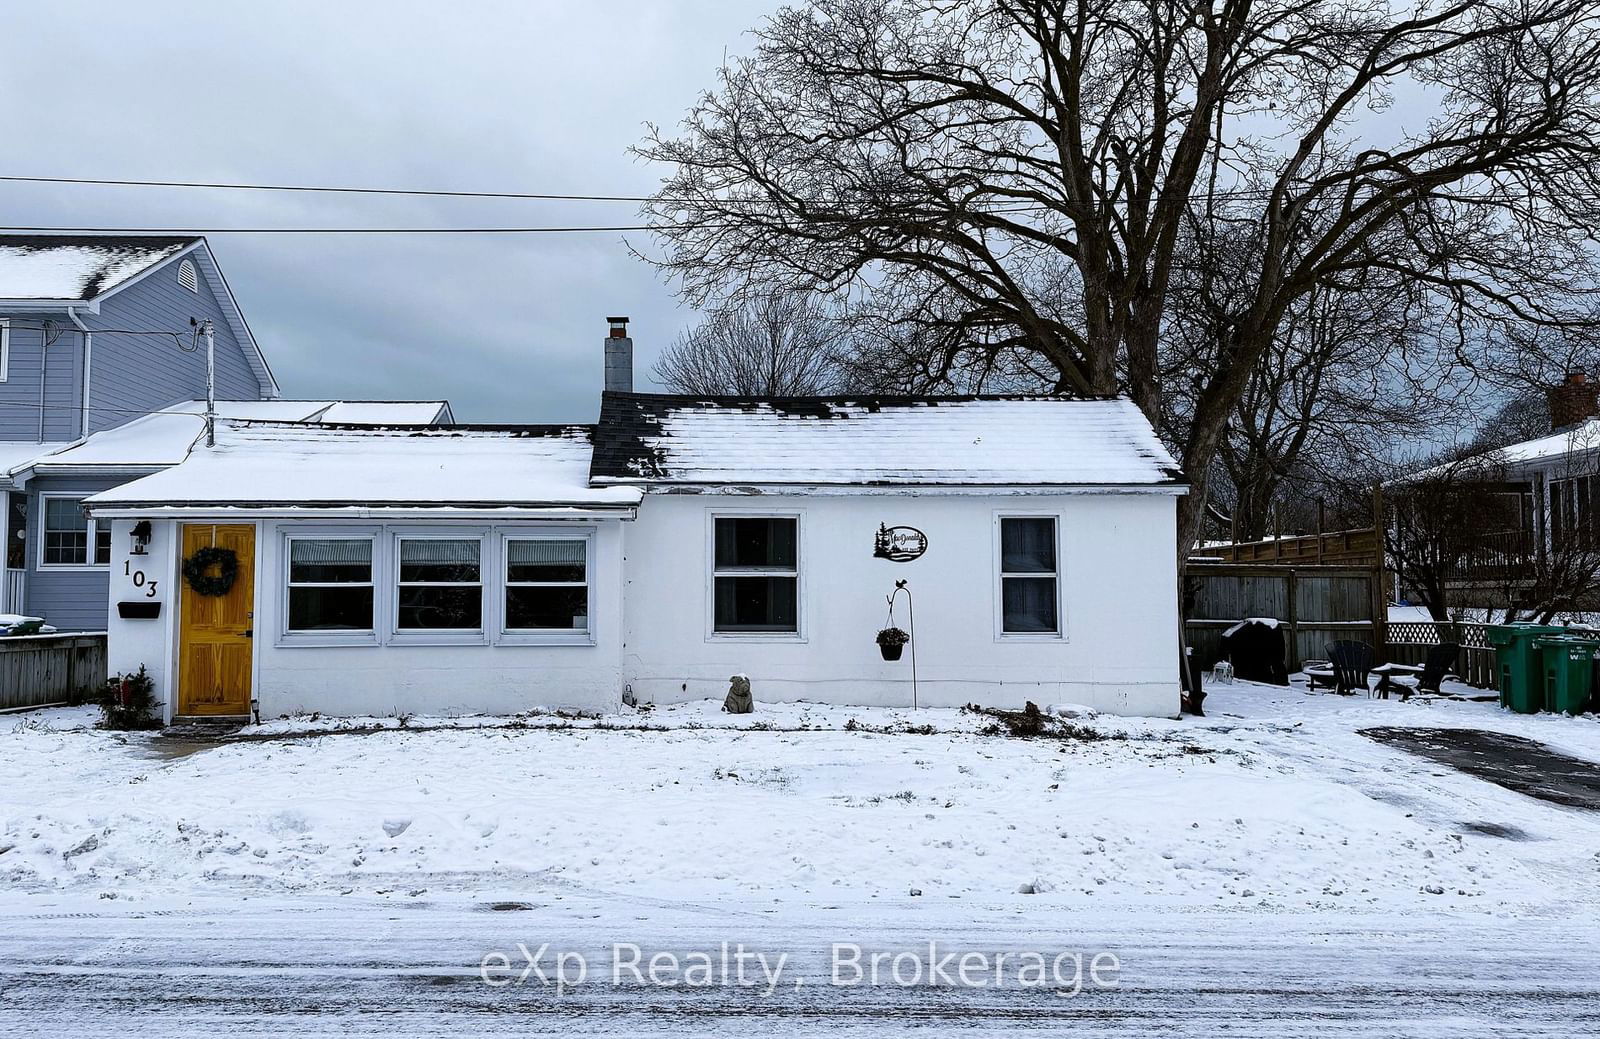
(129,702)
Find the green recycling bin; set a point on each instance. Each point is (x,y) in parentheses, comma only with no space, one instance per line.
(1568,662)
(1520,665)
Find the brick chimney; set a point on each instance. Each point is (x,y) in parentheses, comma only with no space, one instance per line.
(619,357)
(1575,400)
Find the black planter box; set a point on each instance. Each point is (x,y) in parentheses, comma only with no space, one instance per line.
(138,610)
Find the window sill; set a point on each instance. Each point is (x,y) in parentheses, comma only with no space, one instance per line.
(71,567)
(540,638)
(326,640)
(438,638)
(756,636)
(1025,636)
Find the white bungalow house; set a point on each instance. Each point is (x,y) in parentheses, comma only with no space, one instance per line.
(676,542)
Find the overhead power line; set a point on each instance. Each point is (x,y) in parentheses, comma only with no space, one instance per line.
(327,230)
(327,189)
(538,196)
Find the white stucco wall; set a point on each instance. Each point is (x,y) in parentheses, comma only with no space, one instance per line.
(142,578)
(1118,653)
(489,676)
(652,626)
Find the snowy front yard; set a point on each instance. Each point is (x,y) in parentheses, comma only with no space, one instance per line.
(1275,800)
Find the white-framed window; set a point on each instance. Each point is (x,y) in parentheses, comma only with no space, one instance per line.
(547,580)
(68,538)
(5,349)
(1029,592)
(439,585)
(187,277)
(755,574)
(332,586)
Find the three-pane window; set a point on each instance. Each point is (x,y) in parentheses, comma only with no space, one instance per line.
(330,584)
(1029,603)
(756,574)
(68,535)
(440,584)
(547,584)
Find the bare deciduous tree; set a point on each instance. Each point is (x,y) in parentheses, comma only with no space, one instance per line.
(775,344)
(1441,528)
(1042,169)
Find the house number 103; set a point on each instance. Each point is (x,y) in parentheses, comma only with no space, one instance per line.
(139,579)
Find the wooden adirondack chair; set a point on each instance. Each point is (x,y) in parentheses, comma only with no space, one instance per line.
(1441,660)
(1348,667)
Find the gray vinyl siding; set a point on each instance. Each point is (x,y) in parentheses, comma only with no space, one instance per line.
(19,394)
(131,375)
(70,599)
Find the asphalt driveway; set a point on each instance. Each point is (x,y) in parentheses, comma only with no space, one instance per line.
(1523,765)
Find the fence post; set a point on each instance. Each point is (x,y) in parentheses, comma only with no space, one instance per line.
(1292,576)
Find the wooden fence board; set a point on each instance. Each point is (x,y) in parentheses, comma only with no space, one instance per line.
(1315,604)
(36,670)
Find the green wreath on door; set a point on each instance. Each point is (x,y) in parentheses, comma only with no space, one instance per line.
(197,570)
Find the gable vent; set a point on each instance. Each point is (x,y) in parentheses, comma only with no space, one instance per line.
(186,276)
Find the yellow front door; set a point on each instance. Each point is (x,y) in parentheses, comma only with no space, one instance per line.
(215,632)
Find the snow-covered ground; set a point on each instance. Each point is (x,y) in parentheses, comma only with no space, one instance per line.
(1273,801)
(1263,871)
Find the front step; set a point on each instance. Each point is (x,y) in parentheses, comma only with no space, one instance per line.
(204,728)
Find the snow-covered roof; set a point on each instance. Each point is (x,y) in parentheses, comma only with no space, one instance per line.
(165,437)
(263,465)
(387,412)
(17,454)
(1585,436)
(78,267)
(337,412)
(656,439)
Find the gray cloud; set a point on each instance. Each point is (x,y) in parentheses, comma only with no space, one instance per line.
(476,95)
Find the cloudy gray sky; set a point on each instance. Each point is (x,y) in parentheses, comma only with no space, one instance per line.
(495,95)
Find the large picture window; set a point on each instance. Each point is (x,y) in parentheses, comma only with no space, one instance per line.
(1029,597)
(330,585)
(69,535)
(440,585)
(756,574)
(547,584)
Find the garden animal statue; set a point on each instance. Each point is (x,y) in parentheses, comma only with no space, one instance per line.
(739,700)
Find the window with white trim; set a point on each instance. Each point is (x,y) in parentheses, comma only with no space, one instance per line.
(69,534)
(547,584)
(5,348)
(1029,586)
(755,575)
(331,587)
(440,584)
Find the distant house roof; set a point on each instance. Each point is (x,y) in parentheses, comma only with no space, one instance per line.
(653,439)
(59,271)
(269,465)
(164,438)
(78,267)
(1585,436)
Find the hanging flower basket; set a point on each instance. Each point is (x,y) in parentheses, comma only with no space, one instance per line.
(892,642)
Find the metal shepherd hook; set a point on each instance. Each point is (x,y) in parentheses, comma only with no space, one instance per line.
(911,619)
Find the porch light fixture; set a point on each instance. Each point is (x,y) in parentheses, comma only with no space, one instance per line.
(141,537)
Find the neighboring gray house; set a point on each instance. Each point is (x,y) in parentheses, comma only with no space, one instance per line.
(95,330)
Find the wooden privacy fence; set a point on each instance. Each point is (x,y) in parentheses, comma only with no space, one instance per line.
(1349,548)
(1409,642)
(36,670)
(1314,604)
